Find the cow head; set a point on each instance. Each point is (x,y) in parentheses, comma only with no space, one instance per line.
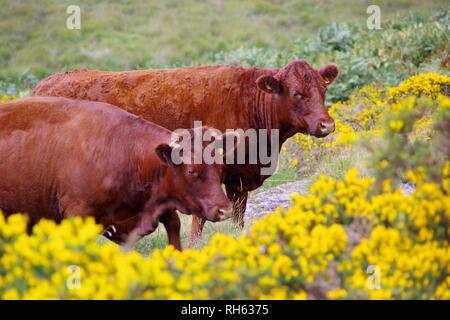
(300,89)
(196,187)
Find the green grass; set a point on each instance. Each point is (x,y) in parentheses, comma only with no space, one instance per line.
(140,34)
(158,239)
(283,174)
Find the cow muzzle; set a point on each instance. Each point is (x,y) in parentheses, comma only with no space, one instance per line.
(325,127)
(219,213)
(225,213)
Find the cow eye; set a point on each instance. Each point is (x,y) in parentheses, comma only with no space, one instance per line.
(298,94)
(192,173)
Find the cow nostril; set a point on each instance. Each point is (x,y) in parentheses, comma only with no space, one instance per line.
(225,213)
(326,126)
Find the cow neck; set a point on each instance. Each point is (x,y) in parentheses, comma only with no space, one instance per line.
(263,112)
(265,115)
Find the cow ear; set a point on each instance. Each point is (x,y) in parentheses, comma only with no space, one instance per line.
(329,73)
(168,155)
(269,84)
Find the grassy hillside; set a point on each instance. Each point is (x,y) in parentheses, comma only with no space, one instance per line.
(140,34)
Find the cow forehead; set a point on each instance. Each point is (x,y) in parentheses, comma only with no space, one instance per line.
(207,170)
(300,74)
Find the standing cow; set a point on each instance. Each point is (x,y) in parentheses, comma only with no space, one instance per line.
(61,158)
(291,99)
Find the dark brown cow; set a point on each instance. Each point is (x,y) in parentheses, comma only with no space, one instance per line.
(61,158)
(290,99)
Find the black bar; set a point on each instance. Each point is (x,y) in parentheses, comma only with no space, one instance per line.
(224,309)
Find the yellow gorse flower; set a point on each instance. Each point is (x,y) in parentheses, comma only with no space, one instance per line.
(6,98)
(282,255)
(361,116)
(429,84)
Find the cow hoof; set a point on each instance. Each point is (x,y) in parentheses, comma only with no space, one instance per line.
(109,231)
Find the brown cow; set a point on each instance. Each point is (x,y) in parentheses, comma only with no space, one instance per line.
(290,99)
(61,158)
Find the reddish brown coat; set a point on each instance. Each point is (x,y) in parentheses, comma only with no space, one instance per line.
(61,157)
(225,97)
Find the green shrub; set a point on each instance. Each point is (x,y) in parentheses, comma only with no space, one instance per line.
(402,47)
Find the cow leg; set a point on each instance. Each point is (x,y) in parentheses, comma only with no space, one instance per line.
(30,226)
(239,198)
(172,223)
(196,229)
(78,209)
(83,210)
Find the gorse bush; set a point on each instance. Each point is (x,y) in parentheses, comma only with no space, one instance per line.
(302,252)
(6,98)
(409,109)
(415,129)
(17,86)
